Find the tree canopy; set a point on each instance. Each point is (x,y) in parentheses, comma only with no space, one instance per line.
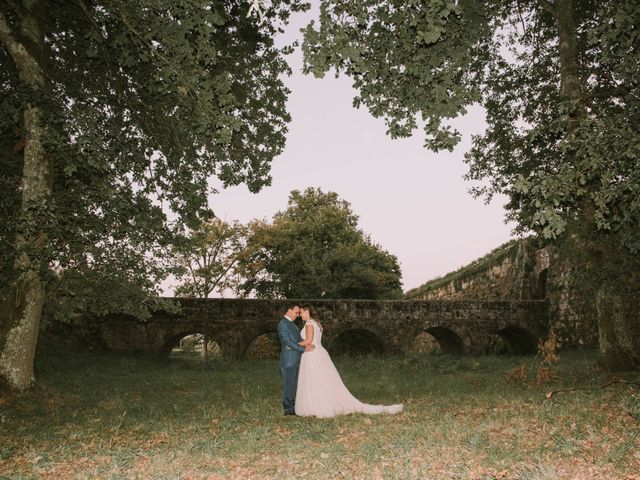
(314,249)
(207,258)
(144,103)
(114,116)
(558,80)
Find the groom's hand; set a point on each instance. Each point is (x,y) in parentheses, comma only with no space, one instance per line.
(309,348)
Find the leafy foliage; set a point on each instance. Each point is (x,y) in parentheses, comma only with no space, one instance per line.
(94,293)
(314,249)
(207,259)
(410,61)
(145,101)
(563,136)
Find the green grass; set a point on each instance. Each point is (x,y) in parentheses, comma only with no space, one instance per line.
(111,416)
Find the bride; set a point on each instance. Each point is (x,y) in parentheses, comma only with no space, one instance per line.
(321,392)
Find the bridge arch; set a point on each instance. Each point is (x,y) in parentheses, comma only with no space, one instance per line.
(448,339)
(357,341)
(263,345)
(424,342)
(519,340)
(383,326)
(174,340)
(541,285)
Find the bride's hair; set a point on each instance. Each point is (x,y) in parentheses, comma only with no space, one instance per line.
(312,313)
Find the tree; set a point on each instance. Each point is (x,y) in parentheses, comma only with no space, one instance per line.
(314,249)
(114,115)
(206,260)
(80,294)
(559,83)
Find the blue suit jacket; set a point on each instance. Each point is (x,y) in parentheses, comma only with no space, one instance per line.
(289,338)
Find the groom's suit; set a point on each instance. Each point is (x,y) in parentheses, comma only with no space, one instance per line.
(289,362)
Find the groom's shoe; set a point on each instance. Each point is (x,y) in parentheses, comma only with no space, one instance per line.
(286,414)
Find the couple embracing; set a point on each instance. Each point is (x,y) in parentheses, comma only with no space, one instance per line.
(311,385)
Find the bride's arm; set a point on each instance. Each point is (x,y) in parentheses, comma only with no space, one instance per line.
(308,330)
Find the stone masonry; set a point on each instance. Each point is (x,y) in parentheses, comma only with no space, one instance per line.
(524,270)
(458,326)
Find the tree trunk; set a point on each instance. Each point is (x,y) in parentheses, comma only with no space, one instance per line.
(619,335)
(205,348)
(570,87)
(22,304)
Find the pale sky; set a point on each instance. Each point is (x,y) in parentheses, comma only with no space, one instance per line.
(412,202)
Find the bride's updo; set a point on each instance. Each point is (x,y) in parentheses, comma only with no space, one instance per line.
(312,313)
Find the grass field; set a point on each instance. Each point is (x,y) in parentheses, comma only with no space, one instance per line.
(109,416)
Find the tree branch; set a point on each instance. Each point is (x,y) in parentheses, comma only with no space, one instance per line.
(155,53)
(28,68)
(547,6)
(225,271)
(85,10)
(606,93)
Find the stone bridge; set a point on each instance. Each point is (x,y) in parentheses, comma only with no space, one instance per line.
(384,326)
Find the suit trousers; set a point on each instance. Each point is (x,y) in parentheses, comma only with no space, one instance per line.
(289,386)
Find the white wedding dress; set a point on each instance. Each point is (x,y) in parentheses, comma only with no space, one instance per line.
(321,392)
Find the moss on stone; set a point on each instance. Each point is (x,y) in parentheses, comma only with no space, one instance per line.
(494,257)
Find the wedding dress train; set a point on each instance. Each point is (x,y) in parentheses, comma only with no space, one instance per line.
(320,391)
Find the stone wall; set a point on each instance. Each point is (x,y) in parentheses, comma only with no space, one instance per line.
(390,327)
(525,269)
(502,274)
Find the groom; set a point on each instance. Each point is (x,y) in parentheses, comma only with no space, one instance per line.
(290,357)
